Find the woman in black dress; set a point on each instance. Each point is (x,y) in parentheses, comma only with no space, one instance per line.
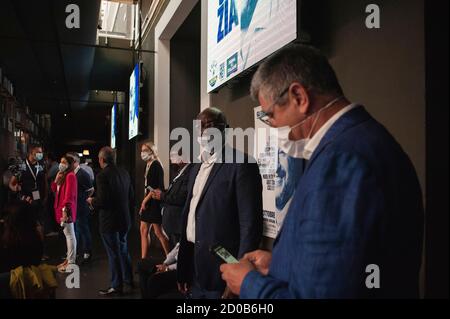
(151,208)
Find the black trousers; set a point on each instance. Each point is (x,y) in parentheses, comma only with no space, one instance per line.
(157,285)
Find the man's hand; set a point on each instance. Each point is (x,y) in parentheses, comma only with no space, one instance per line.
(260,259)
(234,274)
(161,268)
(156,194)
(183,287)
(227,294)
(89,200)
(27,199)
(14,185)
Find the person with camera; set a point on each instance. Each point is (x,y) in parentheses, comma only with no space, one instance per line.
(66,188)
(28,183)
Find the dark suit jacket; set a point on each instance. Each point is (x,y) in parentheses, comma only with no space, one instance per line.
(357,204)
(113,199)
(229,213)
(173,201)
(84,184)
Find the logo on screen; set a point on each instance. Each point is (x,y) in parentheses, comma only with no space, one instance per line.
(232,64)
(222,72)
(213,74)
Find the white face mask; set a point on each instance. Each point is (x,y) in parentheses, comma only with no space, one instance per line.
(63,167)
(205,145)
(146,156)
(296,149)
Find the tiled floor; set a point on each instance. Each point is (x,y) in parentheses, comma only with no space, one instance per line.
(95,275)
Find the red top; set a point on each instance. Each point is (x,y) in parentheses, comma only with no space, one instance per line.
(66,196)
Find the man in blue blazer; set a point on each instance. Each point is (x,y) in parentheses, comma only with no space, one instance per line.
(223,207)
(355,225)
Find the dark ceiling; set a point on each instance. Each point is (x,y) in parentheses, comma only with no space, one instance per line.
(56,70)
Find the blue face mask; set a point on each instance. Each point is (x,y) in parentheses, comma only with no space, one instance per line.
(39,156)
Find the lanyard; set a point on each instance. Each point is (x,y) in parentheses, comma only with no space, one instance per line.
(178,176)
(32,173)
(180,173)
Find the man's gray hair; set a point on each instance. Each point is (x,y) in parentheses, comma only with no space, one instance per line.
(298,63)
(75,156)
(108,155)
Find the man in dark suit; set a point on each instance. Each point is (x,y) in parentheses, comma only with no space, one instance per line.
(355,225)
(223,207)
(173,200)
(114,197)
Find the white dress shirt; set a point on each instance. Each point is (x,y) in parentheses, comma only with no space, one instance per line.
(172,258)
(314,142)
(199,185)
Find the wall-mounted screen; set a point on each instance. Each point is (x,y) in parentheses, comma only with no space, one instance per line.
(243,32)
(113,126)
(133,127)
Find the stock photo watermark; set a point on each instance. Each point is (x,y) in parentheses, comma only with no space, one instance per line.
(73,278)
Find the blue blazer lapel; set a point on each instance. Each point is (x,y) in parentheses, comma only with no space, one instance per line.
(352,118)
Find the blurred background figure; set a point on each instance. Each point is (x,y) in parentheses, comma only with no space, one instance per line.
(30,183)
(113,200)
(20,241)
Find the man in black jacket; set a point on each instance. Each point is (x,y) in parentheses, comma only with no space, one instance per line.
(223,207)
(173,200)
(113,201)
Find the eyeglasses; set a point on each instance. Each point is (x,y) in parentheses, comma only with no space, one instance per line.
(266,116)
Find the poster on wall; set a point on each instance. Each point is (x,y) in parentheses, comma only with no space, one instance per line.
(133,122)
(280,175)
(243,32)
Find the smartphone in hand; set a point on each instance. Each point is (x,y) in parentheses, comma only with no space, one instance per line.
(223,254)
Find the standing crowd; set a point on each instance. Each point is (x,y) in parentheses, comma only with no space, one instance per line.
(357,202)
